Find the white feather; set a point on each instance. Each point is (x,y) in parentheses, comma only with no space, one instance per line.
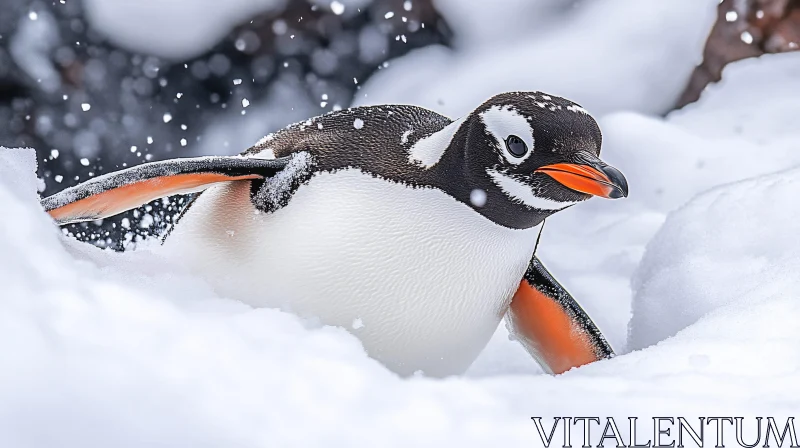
(428,150)
(522,193)
(428,278)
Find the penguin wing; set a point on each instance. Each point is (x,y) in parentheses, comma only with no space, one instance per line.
(116,192)
(551,325)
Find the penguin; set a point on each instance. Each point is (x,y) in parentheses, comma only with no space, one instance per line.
(413,231)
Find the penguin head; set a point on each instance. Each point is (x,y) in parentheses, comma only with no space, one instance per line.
(527,155)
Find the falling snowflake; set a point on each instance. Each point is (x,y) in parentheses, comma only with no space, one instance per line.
(337,8)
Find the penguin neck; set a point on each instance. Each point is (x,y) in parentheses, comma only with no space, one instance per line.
(455,175)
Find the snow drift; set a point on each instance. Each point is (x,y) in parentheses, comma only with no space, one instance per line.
(174,29)
(734,248)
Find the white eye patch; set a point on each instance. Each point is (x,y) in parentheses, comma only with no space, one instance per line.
(504,121)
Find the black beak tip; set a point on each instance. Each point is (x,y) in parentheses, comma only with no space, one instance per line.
(616,193)
(620,183)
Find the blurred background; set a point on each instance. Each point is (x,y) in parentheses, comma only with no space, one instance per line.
(98,85)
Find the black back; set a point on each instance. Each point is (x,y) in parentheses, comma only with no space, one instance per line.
(376,140)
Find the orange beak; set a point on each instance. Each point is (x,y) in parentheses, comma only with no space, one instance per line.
(595,178)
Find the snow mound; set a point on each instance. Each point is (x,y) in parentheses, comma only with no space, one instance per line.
(173,29)
(182,29)
(735,247)
(764,109)
(589,52)
(346,7)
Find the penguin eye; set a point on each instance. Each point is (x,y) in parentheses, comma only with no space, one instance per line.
(516,146)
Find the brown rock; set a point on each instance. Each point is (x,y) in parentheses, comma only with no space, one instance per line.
(744,29)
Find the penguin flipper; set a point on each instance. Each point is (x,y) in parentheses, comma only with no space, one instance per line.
(551,325)
(116,192)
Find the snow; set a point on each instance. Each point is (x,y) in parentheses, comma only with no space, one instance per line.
(591,53)
(337,8)
(691,278)
(477,197)
(173,29)
(341,6)
(743,115)
(733,248)
(35,38)
(276,189)
(182,29)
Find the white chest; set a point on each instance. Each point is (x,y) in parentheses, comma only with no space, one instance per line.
(420,278)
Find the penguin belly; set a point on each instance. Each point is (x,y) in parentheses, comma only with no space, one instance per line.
(420,278)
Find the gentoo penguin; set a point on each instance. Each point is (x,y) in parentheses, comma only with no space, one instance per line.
(413,231)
